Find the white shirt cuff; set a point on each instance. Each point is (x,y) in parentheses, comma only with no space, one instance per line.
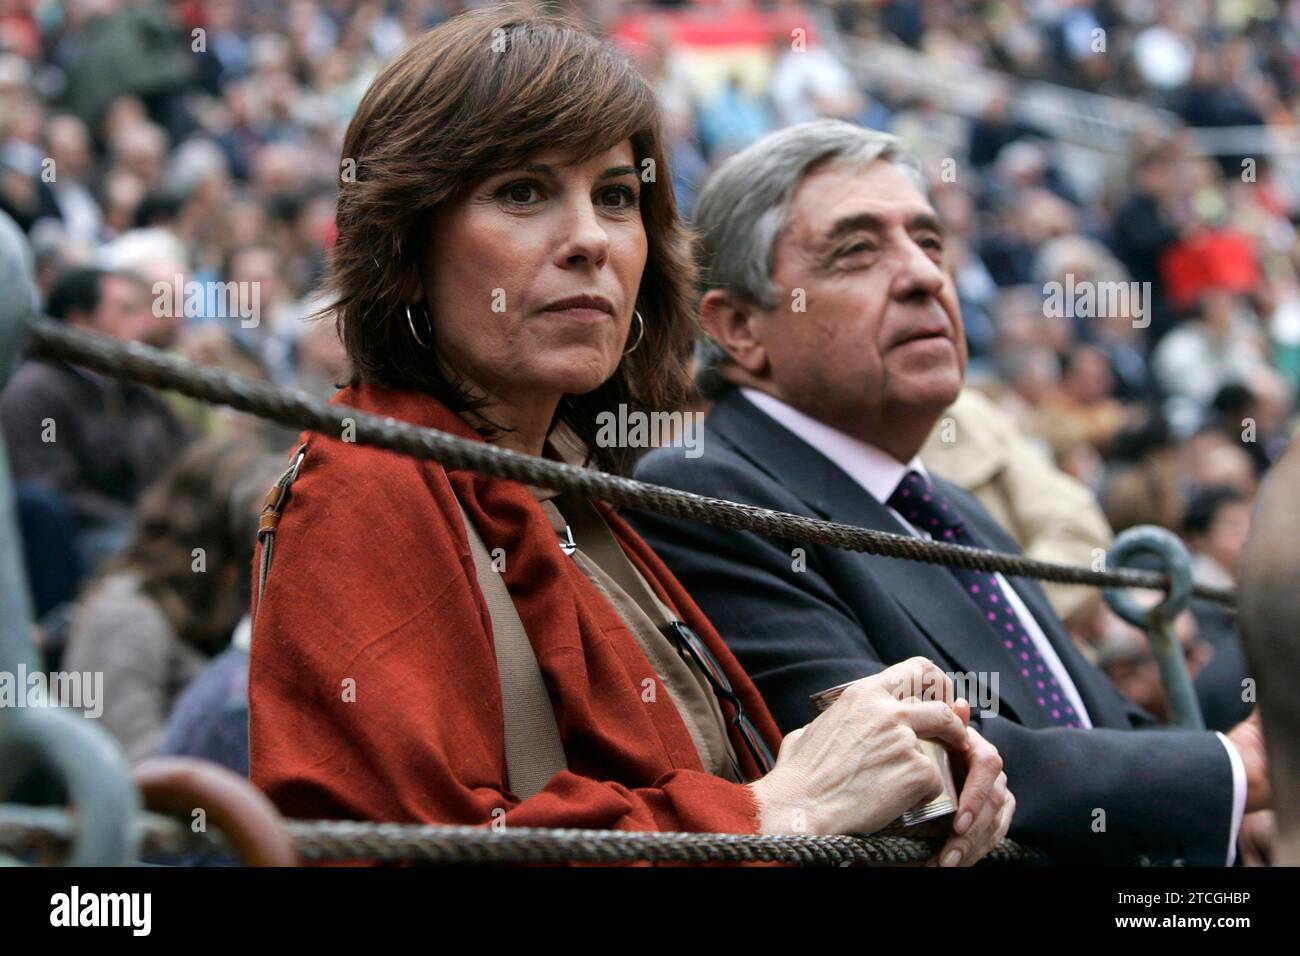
(1238,796)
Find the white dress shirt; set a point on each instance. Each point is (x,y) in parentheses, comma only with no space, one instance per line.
(879,473)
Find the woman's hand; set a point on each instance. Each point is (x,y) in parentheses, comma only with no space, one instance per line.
(857,766)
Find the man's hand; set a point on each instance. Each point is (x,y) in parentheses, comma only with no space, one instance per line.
(1258,838)
(986,804)
(1248,738)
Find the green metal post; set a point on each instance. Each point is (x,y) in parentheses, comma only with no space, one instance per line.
(1158,620)
(44,742)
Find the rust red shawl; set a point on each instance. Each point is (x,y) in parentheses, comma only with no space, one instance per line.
(373,686)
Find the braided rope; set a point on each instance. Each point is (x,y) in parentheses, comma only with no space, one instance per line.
(48,831)
(140,363)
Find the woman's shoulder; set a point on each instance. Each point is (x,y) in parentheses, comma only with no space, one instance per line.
(353,505)
(115,613)
(367,515)
(117,590)
(365,552)
(337,467)
(339,455)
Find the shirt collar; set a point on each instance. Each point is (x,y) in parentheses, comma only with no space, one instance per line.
(878,472)
(243,635)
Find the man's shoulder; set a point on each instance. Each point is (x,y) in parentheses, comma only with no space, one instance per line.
(718,453)
(719,471)
(40,390)
(40,376)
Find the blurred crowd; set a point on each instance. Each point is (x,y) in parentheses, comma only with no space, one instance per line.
(196,144)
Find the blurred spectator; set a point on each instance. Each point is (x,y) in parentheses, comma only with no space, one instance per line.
(64,195)
(732,120)
(1215,529)
(1027,216)
(158,257)
(1124,653)
(1212,459)
(258,267)
(322,361)
(1145,484)
(1220,346)
(171,600)
(1164,52)
(1051,516)
(135,48)
(95,441)
(1081,407)
(994,129)
(1255,415)
(139,148)
(1147,224)
(210,717)
(810,82)
(1210,99)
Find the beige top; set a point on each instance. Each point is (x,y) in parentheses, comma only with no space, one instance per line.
(684,682)
(123,634)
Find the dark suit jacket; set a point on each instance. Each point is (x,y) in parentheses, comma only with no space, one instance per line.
(1162,795)
(112,438)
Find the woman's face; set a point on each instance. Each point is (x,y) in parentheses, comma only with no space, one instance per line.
(505,256)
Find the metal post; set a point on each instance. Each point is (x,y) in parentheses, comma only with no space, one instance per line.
(15,604)
(1158,620)
(42,743)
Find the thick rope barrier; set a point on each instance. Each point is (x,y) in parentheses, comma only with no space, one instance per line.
(149,366)
(48,831)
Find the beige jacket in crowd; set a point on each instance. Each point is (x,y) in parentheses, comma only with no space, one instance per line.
(1051,515)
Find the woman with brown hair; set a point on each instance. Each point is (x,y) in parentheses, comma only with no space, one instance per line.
(161,609)
(510,264)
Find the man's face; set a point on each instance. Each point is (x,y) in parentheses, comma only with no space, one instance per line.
(259,267)
(123,310)
(881,338)
(1228,533)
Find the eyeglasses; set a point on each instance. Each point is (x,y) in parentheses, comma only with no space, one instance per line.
(688,644)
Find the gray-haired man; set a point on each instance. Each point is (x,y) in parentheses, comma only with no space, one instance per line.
(838,343)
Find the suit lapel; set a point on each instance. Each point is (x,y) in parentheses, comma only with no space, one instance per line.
(928,593)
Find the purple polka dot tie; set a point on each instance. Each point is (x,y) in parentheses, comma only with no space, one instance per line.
(929,511)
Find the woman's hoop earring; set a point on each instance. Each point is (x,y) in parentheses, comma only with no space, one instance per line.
(640,332)
(416,335)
